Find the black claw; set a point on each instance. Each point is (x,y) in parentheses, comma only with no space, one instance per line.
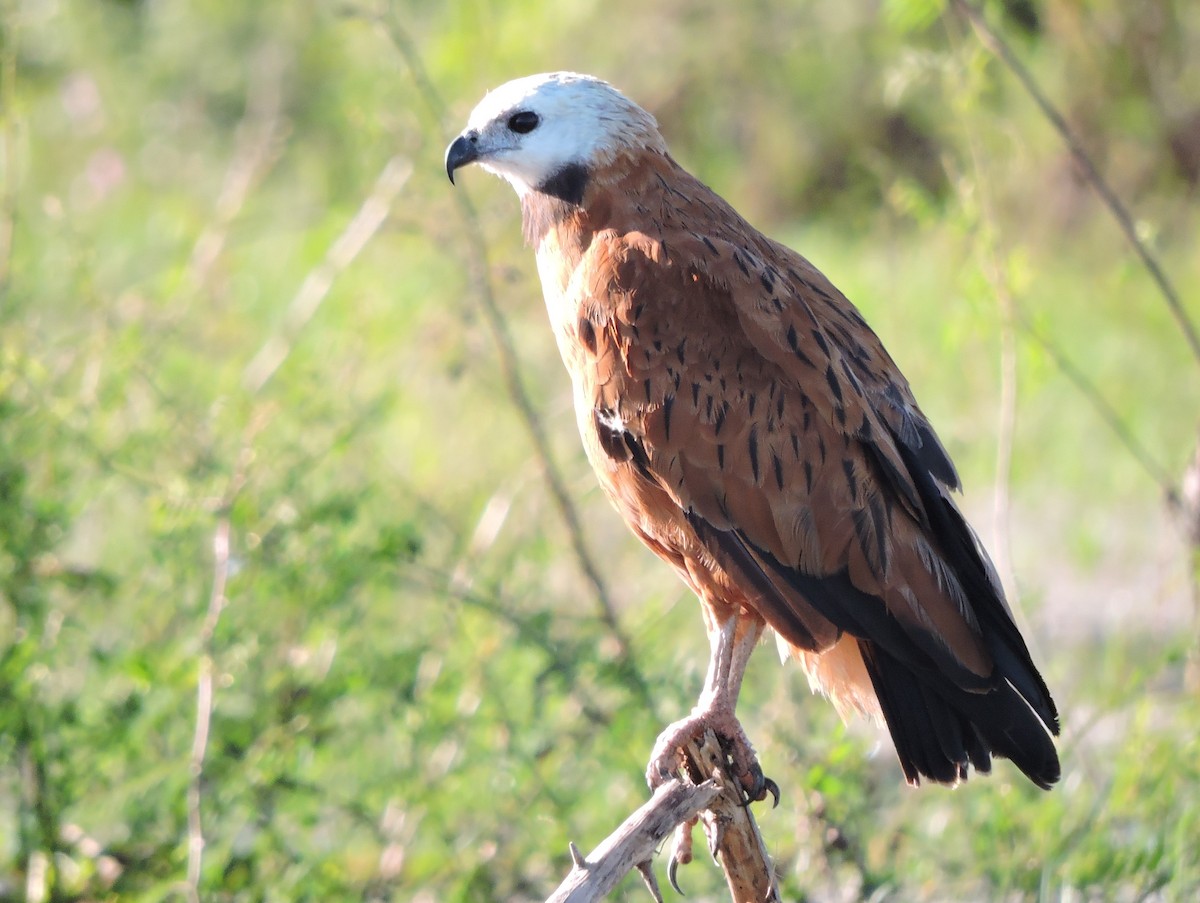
(759,788)
(672,872)
(771,787)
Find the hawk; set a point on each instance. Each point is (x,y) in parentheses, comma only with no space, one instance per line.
(753,432)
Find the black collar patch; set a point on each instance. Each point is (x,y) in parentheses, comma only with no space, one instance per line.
(567,184)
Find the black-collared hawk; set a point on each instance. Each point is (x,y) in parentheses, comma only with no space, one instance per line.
(753,432)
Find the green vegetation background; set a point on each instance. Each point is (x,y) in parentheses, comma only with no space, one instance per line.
(287,608)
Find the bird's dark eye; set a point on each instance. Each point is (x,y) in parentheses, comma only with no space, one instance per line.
(523,122)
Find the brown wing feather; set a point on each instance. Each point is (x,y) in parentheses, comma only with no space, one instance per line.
(756,434)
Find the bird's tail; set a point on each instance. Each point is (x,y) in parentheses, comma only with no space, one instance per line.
(939,729)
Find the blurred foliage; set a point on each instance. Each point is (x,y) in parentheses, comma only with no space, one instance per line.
(415,696)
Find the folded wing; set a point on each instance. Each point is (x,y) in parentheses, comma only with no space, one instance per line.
(754,394)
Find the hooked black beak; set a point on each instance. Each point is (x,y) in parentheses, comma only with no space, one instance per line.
(462,150)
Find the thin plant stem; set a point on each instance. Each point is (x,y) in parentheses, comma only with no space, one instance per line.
(998,46)
(510,369)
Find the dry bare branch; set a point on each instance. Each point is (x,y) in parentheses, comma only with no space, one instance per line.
(634,842)
(729,825)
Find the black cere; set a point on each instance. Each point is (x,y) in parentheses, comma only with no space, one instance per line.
(523,122)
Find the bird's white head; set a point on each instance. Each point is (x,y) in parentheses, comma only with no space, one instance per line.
(549,132)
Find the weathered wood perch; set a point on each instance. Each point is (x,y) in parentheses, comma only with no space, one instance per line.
(705,791)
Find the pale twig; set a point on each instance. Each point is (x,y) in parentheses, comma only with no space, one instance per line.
(217,601)
(998,46)
(255,137)
(994,272)
(352,240)
(316,284)
(204,707)
(350,243)
(255,141)
(510,369)
(1103,408)
(1082,383)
